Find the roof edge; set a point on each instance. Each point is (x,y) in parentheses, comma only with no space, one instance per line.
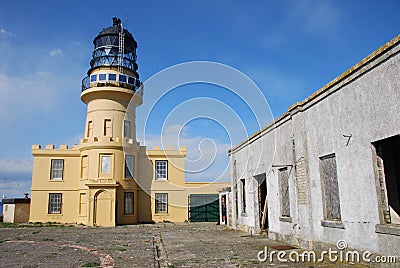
(298,105)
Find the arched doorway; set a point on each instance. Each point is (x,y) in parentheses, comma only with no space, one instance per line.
(103,209)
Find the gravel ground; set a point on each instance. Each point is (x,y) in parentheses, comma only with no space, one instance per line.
(153,245)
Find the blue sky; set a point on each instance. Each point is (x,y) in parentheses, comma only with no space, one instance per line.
(288,48)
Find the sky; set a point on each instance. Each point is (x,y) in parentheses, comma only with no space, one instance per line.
(271,54)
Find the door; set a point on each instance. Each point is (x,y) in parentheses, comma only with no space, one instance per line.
(102,209)
(204,208)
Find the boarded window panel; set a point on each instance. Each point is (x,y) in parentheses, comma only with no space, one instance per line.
(82,204)
(107,127)
(284,191)
(84,172)
(90,129)
(330,187)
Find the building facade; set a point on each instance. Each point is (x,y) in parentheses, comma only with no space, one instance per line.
(328,169)
(109,178)
(16,210)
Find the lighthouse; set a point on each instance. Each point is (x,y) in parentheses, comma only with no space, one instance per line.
(112,83)
(109,178)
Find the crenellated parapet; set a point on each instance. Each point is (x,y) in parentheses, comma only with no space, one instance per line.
(50,150)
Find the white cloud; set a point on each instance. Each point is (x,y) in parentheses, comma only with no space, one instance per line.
(25,95)
(4,32)
(55,52)
(14,165)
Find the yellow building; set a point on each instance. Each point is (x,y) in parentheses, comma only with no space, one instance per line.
(109,178)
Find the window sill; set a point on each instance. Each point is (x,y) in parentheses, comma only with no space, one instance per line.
(285,219)
(55,180)
(128,215)
(161,214)
(161,179)
(332,224)
(391,229)
(54,214)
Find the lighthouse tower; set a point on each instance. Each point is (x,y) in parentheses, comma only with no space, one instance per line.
(109,178)
(111,85)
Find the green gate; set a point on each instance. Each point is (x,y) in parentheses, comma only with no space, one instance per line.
(203,208)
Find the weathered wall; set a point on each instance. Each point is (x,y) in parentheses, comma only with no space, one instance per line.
(364,103)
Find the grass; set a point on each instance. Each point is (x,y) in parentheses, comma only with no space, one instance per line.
(122,249)
(47,239)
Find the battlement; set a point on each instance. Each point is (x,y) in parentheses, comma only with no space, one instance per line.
(50,149)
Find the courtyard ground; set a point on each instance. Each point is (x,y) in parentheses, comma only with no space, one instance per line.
(152,245)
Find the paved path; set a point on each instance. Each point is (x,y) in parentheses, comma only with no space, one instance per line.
(157,245)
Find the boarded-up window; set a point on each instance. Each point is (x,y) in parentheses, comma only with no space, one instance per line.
(330,188)
(283,177)
(90,129)
(82,204)
(84,171)
(107,127)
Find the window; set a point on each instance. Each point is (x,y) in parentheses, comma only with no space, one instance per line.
(84,170)
(161,203)
(82,204)
(57,167)
(55,203)
(122,78)
(161,169)
(106,164)
(131,80)
(107,127)
(112,77)
(127,129)
(330,188)
(129,166)
(90,128)
(102,77)
(93,78)
(243,188)
(283,177)
(128,203)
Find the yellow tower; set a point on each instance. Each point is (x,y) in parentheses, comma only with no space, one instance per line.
(112,83)
(109,178)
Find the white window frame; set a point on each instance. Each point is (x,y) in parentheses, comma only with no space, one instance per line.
(56,171)
(161,203)
(161,172)
(55,203)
